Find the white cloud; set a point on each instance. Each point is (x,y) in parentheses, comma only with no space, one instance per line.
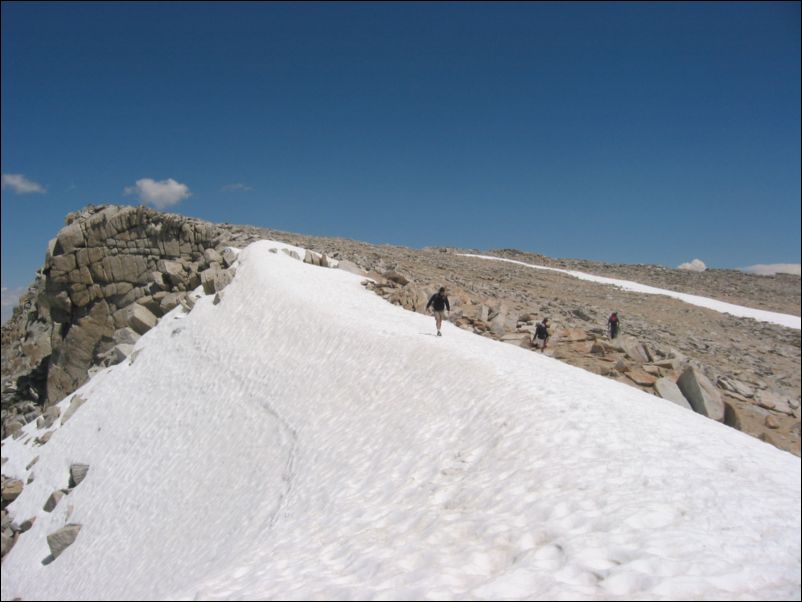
(159,194)
(238,187)
(767,269)
(9,300)
(697,265)
(21,185)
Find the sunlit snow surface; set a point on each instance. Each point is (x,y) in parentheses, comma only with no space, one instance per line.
(305,439)
(719,306)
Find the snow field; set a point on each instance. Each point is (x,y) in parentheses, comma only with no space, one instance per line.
(304,439)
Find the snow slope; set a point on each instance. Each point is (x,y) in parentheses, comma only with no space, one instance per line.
(304,439)
(720,306)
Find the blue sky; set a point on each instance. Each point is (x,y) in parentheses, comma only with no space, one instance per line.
(636,133)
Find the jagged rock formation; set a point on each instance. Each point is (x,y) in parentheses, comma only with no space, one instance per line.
(114,270)
(110,271)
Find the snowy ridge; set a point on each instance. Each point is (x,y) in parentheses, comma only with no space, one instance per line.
(304,439)
(721,306)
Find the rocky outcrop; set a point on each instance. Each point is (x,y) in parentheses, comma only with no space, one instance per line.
(105,271)
(54,499)
(108,276)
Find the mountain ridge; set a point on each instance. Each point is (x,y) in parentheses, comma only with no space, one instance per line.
(109,259)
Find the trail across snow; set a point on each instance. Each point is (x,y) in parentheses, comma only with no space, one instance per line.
(720,306)
(304,439)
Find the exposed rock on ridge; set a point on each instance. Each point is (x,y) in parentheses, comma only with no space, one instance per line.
(109,271)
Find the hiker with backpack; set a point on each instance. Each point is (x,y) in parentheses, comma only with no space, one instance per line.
(542,334)
(613,324)
(439,303)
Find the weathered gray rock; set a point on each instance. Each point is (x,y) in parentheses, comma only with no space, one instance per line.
(157,278)
(212,256)
(668,389)
(518,339)
(75,354)
(6,542)
(311,258)
(53,500)
(668,364)
(78,473)
(127,336)
(571,335)
(394,276)
(12,426)
(62,539)
(50,416)
(141,319)
(639,377)
(169,301)
(773,401)
(634,349)
(187,303)
(45,438)
(215,279)
(63,263)
(152,305)
(173,272)
(70,238)
(229,256)
(701,394)
(581,314)
(118,354)
(409,297)
(350,266)
(735,386)
(208,278)
(598,348)
(12,488)
(502,321)
(223,278)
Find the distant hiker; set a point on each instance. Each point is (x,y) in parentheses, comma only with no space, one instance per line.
(613,324)
(439,303)
(542,334)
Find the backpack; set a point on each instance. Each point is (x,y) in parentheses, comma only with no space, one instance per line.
(540,331)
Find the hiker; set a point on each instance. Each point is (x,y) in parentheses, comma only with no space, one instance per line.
(612,325)
(542,334)
(439,303)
